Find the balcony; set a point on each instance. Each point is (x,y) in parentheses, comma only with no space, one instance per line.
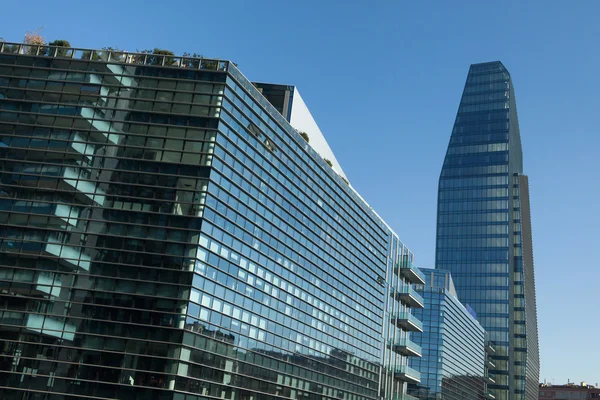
(490,363)
(489,395)
(408,296)
(408,270)
(407,321)
(490,378)
(407,374)
(407,347)
(489,347)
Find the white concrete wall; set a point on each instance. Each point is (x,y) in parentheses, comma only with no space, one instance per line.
(303,121)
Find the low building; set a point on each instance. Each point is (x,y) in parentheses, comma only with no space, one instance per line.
(454,346)
(569,392)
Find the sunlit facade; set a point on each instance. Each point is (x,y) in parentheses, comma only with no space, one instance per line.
(167,234)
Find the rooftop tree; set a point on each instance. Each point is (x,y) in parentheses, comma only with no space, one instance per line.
(61,52)
(34,39)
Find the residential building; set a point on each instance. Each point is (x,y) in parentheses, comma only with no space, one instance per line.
(453,344)
(484,227)
(569,392)
(167,234)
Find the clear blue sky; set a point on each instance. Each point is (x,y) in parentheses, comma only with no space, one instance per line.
(383,80)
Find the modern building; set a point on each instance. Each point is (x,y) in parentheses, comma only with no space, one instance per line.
(569,392)
(453,344)
(165,233)
(484,227)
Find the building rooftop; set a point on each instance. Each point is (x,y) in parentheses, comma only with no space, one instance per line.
(116,56)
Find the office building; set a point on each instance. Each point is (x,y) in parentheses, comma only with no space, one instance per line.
(165,233)
(484,227)
(453,344)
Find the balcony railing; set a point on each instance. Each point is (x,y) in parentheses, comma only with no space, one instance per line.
(408,296)
(114,56)
(491,378)
(407,321)
(407,347)
(407,374)
(490,395)
(408,270)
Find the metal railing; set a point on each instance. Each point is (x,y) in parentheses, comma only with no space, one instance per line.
(114,56)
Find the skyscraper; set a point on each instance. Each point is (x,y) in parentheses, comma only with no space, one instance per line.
(484,227)
(165,233)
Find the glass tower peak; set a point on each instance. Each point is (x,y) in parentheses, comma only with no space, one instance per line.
(484,229)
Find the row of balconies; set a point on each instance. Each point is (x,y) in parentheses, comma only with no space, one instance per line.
(408,322)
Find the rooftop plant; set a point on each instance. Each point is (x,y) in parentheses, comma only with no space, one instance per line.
(34,39)
(207,64)
(60,43)
(328,162)
(155,56)
(305,136)
(160,56)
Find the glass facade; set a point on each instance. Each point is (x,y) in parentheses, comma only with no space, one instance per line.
(453,355)
(166,234)
(480,231)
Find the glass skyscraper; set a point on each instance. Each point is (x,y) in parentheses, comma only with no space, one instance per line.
(453,359)
(484,227)
(165,233)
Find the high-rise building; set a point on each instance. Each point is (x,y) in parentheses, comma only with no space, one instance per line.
(165,233)
(453,344)
(484,227)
